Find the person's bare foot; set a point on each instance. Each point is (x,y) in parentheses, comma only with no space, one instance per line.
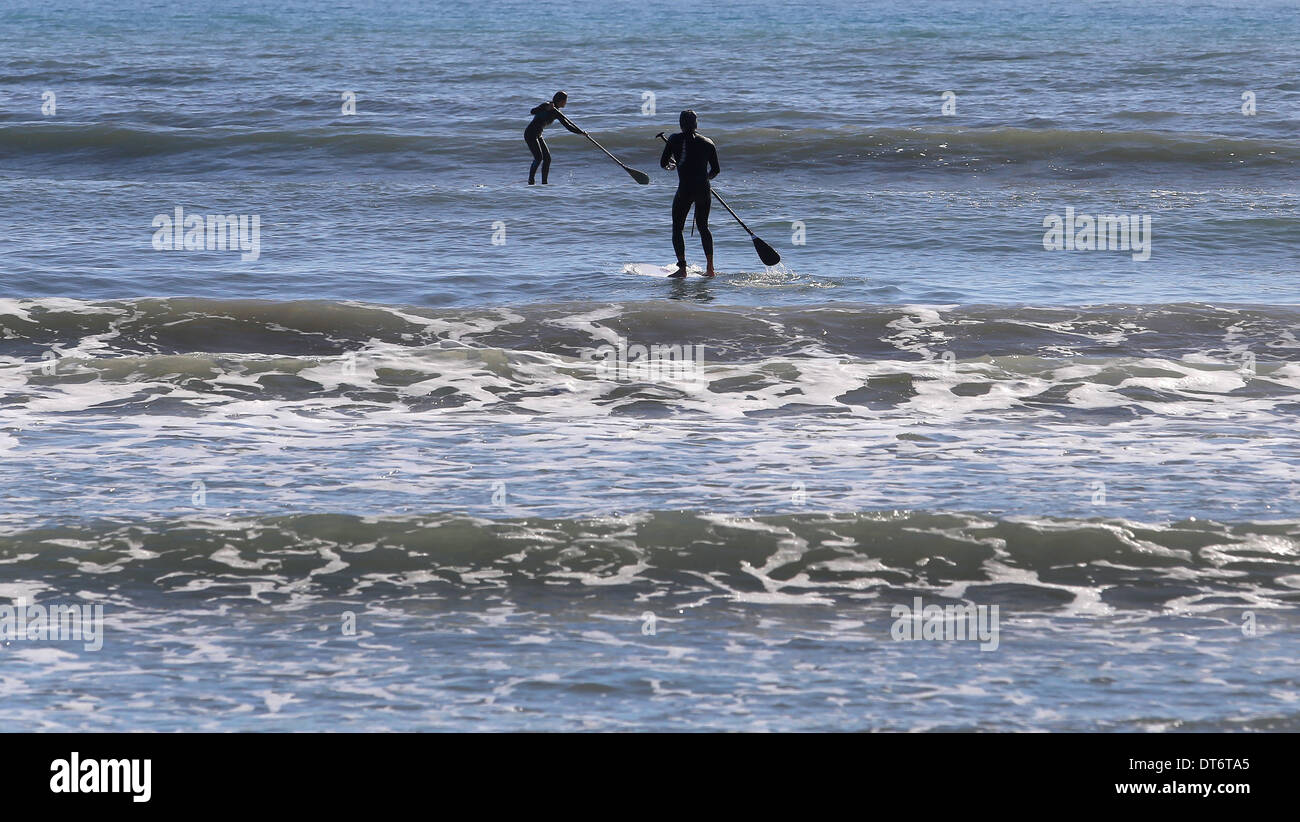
(680,273)
(709,272)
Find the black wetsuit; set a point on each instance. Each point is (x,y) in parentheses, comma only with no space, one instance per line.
(697,163)
(543,116)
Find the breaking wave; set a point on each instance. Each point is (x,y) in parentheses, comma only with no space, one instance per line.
(897,148)
(68,355)
(1084,566)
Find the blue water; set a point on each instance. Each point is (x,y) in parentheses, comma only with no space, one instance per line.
(393,414)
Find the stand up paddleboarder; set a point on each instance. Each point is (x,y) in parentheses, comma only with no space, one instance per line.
(543,116)
(696,160)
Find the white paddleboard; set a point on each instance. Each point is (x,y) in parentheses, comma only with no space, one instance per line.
(661,271)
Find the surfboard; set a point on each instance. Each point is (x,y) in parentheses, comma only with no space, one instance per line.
(661,271)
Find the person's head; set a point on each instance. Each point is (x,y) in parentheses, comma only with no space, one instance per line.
(688,121)
(559,99)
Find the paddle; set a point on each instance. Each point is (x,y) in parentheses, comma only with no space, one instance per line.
(640,176)
(765,252)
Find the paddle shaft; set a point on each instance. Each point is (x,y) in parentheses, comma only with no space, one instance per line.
(625,166)
(602,148)
(732,213)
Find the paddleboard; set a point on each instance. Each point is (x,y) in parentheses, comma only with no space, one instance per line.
(661,271)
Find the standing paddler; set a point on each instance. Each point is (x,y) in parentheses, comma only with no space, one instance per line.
(696,160)
(543,116)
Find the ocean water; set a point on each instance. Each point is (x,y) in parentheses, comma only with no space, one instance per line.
(389,474)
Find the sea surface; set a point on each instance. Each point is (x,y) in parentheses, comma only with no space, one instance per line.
(383,470)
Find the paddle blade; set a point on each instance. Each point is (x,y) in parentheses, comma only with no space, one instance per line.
(640,176)
(766,253)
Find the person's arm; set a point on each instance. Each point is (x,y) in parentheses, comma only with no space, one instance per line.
(567,123)
(666,159)
(714,168)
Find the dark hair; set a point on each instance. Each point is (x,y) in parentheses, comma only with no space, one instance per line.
(558,96)
(689,121)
